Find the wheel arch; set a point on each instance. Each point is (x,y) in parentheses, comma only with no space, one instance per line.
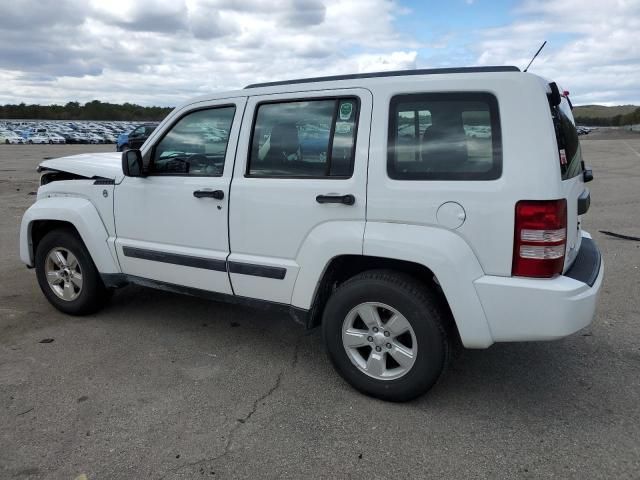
(78,214)
(440,258)
(343,267)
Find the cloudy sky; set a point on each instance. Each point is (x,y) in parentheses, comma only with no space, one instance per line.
(161,52)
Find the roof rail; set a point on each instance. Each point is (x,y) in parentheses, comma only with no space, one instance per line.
(396,73)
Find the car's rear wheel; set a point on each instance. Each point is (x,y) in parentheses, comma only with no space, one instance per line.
(384,332)
(67,275)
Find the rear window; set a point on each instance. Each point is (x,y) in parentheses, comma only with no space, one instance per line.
(304,138)
(569,151)
(444,136)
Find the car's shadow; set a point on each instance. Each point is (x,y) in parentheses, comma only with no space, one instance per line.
(536,378)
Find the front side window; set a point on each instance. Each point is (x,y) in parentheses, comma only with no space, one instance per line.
(447,136)
(314,138)
(195,145)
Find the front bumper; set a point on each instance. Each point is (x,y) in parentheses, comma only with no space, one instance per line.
(526,309)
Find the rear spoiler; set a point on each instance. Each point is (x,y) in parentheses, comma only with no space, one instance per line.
(554,96)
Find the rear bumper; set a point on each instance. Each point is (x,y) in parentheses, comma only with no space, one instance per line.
(525,309)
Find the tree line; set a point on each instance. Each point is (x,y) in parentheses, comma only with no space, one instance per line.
(632,118)
(95,110)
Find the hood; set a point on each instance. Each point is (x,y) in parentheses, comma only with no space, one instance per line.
(104,165)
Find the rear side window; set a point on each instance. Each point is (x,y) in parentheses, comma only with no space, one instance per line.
(304,138)
(444,136)
(568,144)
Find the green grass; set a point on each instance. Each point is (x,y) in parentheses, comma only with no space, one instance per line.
(601,111)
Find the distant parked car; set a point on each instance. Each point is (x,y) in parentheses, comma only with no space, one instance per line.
(9,137)
(136,138)
(109,138)
(55,138)
(95,138)
(72,138)
(37,138)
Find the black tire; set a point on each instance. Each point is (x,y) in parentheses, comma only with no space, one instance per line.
(422,310)
(124,147)
(93,294)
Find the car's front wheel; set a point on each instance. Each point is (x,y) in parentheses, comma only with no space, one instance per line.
(67,275)
(385,335)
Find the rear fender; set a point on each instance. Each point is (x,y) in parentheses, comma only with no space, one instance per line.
(453,263)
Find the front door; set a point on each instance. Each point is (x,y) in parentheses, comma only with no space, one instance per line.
(171,225)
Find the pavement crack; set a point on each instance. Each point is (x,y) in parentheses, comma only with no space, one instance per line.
(261,398)
(229,440)
(296,352)
(620,235)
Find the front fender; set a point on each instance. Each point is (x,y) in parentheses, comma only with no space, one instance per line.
(79,212)
(451,260)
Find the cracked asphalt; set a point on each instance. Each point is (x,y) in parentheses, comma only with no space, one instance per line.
(163,386)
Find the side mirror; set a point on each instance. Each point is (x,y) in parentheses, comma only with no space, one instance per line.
(132,163)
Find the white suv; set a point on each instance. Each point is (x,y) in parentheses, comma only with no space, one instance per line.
(405,212)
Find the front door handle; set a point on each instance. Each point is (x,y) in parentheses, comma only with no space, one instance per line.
(343,199)
(217,194)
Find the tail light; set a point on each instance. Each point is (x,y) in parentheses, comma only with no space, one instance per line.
(540,238)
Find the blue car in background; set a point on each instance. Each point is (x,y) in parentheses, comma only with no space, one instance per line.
(135,138)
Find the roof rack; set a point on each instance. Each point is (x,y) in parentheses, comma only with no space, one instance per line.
(396,73)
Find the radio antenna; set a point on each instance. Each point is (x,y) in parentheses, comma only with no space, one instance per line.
(534,57)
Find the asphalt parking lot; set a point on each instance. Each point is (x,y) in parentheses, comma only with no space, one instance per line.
(163,386)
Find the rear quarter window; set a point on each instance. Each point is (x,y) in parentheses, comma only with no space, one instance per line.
(444,136)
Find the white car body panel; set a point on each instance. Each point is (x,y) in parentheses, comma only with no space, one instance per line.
(452,261)
(257,231)
(325,242)
(530,309)
(161,214)
(80,213)
(105,165)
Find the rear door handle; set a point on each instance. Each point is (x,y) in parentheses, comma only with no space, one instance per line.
(217,194)
(343,199)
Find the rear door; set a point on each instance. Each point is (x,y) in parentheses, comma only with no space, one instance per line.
(301,167)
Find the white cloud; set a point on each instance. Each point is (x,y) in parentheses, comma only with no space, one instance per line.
(162,52)
(165,51)
(593,48)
